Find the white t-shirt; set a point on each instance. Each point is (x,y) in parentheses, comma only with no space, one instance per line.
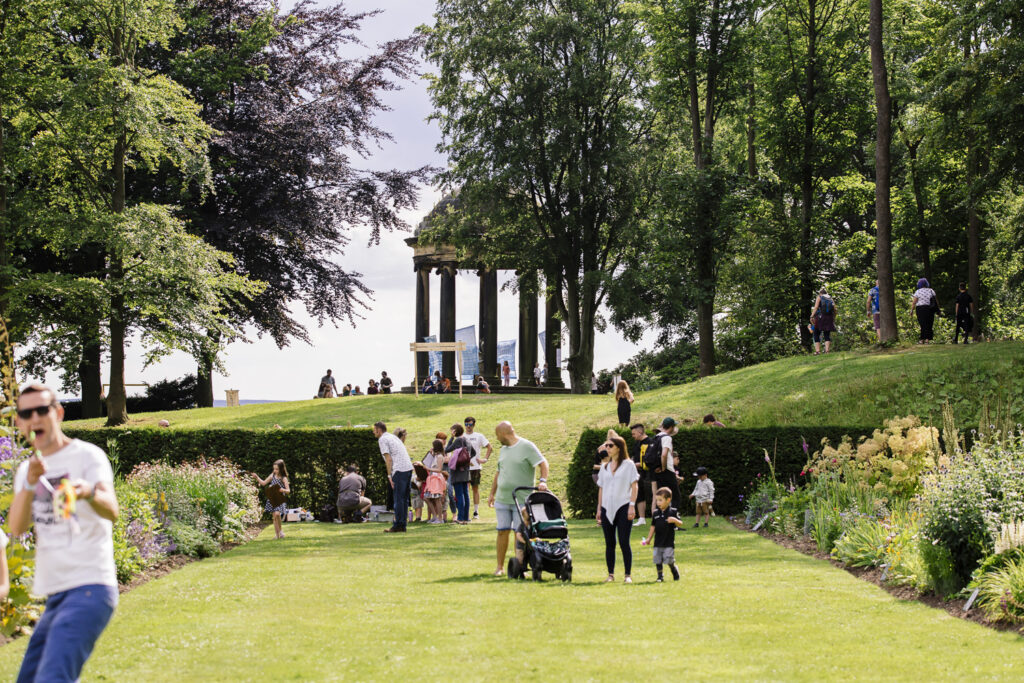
(393,446)
(536,372)
(615,487)
(666,442)
(68,557)
(479,443)
(924,296)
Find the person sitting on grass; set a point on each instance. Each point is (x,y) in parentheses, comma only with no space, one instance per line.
(279,478)
(352,493)
(664,522)
(704,492)
(356,391)
(711,421)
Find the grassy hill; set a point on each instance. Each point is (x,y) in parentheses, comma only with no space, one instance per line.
(840,388)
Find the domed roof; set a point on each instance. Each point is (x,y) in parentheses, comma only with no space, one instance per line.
(441,207)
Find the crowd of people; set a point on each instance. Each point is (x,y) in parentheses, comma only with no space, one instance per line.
(329,388)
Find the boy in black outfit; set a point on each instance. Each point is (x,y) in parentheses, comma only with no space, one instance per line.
(664,522)
(964,315)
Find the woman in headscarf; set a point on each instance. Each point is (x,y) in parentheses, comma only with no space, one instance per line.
(925,304)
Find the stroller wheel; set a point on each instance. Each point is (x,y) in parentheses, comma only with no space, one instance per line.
(566,573)
(514,569)
(537,571)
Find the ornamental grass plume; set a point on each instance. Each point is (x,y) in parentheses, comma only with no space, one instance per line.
(1010,536)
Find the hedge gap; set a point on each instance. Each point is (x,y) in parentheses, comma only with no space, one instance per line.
(734,457)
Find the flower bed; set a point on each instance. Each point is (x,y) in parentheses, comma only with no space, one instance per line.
(927,513)
(189,509)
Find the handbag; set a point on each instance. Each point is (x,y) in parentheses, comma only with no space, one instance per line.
(275,496)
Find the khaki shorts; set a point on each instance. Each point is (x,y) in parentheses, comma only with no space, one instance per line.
(704,508)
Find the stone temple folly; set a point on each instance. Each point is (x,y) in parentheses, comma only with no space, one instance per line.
(443,260)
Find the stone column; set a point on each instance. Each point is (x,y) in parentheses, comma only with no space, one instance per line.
(448,320)
(527,328)
(489,325)
(422,318)
(552,342)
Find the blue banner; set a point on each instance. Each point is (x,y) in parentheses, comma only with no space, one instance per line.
(433,356)
(471,356)
(507,352)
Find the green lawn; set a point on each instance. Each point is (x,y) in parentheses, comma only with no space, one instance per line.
(351,603)
(841,388)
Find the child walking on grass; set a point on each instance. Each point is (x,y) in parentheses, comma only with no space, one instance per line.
(704,493)
(664,522)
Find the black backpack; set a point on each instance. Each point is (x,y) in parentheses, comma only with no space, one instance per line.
(652,456)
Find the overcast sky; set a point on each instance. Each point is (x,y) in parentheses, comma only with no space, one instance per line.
(381,340)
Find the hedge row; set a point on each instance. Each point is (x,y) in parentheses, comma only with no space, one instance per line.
(734,458)
(312,456)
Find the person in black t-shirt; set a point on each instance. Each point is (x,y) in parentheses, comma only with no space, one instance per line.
(664,522)
(964,315)
(640,444)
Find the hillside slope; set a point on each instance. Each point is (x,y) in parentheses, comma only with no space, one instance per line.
(841,388)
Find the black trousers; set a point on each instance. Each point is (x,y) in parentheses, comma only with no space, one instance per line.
(926,319)
(965,324)
(668,480)
(620,526)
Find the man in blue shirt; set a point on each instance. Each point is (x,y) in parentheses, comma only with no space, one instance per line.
(873,311)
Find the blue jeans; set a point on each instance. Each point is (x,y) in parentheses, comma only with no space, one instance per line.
(65,635)
(462,500)
(401,480)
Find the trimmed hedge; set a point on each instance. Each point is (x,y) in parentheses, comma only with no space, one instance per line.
(312,456)
(734,457)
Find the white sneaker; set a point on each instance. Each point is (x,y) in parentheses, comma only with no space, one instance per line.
(640,522)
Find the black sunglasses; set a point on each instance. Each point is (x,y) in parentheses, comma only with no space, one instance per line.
(470,424)
(26,413)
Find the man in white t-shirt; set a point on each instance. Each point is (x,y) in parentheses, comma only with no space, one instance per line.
(74,548)
(399,473)
(668,476)
(479,442)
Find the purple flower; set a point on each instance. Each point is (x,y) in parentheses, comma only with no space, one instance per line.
(806,448)
(767,459)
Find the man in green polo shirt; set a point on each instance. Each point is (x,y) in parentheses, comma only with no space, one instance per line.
(517,462)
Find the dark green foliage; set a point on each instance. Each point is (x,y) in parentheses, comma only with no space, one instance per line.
(734,458)
(312,456)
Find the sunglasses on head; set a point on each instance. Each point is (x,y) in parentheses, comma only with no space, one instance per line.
(26,413)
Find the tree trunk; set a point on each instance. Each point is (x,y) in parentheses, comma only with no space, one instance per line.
(807,177)
(89,372)
(579,320)
(204,383)
(883,212)
(974,237)
(751,131)
(117,398)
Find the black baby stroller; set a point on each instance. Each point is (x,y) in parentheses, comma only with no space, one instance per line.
(546,546)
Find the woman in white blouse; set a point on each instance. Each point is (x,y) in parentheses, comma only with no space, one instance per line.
(616,502)
(925,305)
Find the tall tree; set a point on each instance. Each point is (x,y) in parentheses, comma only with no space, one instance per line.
(542,105)
(698,58)
(294,114)
(103,115)
(883,211)
(816,100)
